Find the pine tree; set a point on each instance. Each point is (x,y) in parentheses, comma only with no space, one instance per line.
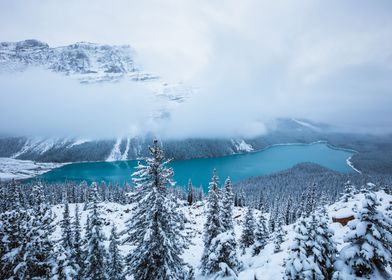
(95,252)
(77,243)
(212,226)
(93,195)
(288,218)
(223,257)
(348,192)
(261,234)
(313,250)
(389,209)
(302,205)
(14,232)
(298,262)
(224,246)
(241,198)
(39,256)
(323,248)
(310,203)
(66,267)
(369,241)
(227,206)
(261,202)
(248,229)
(66,228)
(190,192)
(273,216)
(153,228)
(115,263)
(279,233)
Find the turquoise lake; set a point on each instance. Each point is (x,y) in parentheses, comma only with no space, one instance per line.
(238,167)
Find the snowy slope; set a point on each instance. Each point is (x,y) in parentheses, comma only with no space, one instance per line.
(267,265)
(23,169)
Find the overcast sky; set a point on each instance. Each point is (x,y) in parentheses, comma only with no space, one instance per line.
(253,61)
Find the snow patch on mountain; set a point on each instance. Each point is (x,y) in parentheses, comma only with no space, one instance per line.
(23,169)
(242,146)
(307,124)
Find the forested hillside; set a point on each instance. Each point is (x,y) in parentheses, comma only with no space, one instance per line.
(153,231)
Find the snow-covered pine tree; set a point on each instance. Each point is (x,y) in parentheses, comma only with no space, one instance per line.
(288,218)
(14,232)
(261,203)
(66,228)
(212,226)
(297,261)
(39,249)
(389,209)
(274,209)
(153,227)
(279,233)
(248,229)
(311,201)
(77,243)
(301,205)
(95,252)
(227,206)
(190,192)
(370,240)
(65,267)
(223,259)
(241,198)
(93,195)
(115,260)
(223,256)
(323,247)
(348,192)
(261,234)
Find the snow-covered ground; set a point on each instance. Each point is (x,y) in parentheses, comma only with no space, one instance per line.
(22,169)
(267,265)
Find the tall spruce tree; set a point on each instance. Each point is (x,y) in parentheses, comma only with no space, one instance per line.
(153,227)
(65,268)
(227,206)
(95,252)
(77,243)
(298,262)
(212,226)
(223,256)
(348,192)
(370,240)
(39,249)
(115,260)
(311,201)
(15,228)
(224,245)
(312,252)
(279,234)
(190,193)
(261,234)
(323,247)
(248,229)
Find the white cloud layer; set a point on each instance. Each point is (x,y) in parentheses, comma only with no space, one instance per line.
(253,61)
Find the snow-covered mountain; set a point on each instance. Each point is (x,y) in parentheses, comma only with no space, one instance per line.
(123,148)
(88,63)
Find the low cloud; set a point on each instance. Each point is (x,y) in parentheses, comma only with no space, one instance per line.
(40,103)
(252,62)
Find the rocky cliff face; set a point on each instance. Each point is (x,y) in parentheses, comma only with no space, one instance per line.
(89,62)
